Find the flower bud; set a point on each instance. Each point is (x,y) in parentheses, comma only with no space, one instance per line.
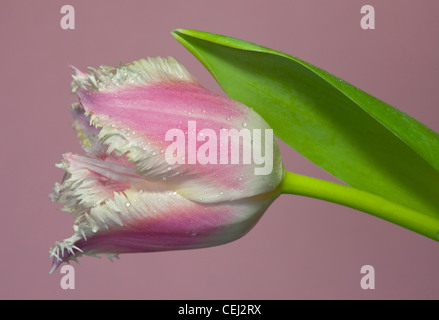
(168,165)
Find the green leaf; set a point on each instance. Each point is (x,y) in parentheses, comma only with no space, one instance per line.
(361,140)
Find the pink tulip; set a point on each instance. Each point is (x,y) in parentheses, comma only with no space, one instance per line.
(125,195)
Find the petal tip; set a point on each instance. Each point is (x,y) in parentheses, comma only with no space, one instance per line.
(55,264)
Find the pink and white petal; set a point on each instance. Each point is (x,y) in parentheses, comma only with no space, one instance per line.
(90,181)
(136,117)
(150,217)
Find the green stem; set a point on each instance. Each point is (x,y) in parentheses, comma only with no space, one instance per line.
(363,201)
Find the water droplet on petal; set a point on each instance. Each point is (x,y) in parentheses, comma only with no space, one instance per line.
(244,124)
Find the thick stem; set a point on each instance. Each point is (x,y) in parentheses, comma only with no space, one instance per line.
(363,201)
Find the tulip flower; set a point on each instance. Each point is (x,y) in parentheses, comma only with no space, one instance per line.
(169,165)
(136,189)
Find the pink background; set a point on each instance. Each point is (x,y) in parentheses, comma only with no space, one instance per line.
(302,248)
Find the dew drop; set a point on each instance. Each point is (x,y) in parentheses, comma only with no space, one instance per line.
(193,233)
(228,118)
(244,124)
(127,204)
(169,168)
(141,191)
(154,153)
